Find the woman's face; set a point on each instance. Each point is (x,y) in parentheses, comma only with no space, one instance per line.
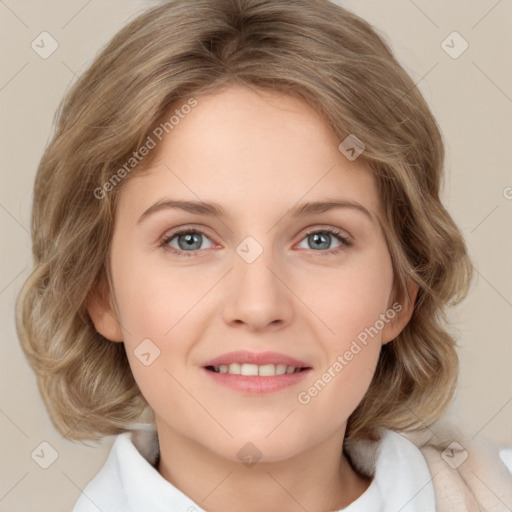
(260,287)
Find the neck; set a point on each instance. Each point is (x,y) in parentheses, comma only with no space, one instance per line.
(317,479)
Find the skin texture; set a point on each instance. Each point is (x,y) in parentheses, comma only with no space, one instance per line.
(256,154)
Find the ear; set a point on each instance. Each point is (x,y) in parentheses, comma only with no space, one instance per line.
(102,312)
(403,311)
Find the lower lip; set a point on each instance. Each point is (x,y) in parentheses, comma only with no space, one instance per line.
(257,385)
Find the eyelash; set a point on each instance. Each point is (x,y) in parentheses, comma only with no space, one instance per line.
(345,241)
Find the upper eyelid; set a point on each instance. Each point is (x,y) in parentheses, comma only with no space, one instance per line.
(171,233)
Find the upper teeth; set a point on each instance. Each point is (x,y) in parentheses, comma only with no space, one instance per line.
(266,370)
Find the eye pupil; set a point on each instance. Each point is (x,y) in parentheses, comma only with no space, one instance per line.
(321,238)
(189,241)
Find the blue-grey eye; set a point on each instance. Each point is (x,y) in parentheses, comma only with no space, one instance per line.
(187,241)
(322,240)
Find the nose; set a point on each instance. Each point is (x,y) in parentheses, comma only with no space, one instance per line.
(258,296)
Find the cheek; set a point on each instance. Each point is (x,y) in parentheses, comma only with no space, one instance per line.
(353,308)
(152,297)
(351,299)
(336,391)
(158,308)
(351,304)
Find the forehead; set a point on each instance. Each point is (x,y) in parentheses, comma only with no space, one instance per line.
(251,150)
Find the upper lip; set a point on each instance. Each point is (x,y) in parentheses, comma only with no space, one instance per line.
(259,358)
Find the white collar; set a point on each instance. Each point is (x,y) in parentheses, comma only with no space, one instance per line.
(128,481)
(401,478)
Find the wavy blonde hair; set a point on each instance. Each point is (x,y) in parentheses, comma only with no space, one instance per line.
(312,49)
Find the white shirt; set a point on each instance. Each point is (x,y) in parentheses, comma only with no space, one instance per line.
(129,482)
(506,457)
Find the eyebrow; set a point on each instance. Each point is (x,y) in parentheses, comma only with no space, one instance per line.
(213,209)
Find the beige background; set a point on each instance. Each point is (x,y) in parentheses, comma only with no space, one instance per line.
(472,99)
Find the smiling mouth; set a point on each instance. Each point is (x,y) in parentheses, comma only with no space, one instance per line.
(254,370)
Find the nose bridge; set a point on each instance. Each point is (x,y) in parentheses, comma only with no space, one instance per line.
(255,266)
(258,297)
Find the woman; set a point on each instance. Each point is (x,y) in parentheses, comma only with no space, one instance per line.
(277,376)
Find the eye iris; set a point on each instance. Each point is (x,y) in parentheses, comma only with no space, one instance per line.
(189,241)
(322,238)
